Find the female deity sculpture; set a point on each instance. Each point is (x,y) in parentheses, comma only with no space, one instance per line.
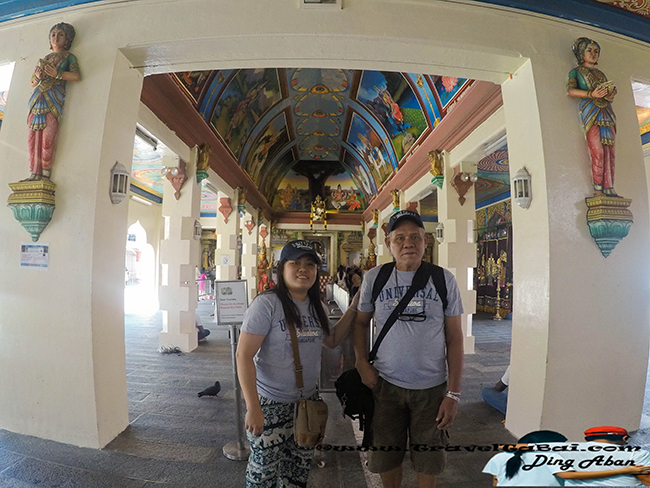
(46,103)
(596,93)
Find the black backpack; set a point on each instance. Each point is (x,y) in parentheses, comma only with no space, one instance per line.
(355,397)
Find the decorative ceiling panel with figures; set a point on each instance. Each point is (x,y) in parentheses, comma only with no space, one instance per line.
(341,134)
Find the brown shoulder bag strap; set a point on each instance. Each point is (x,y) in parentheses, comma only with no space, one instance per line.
(296,357)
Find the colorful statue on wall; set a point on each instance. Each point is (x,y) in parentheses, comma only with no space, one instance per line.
(318,212)
(46,103)
(596,93)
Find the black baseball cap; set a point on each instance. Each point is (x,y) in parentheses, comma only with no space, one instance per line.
(404,215)
(295,249)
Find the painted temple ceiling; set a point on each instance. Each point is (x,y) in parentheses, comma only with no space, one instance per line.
(339,133)
(343,133)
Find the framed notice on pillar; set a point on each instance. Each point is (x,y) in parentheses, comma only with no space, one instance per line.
(231,301)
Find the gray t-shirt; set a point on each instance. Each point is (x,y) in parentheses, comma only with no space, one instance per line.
(412,355)
(276,378)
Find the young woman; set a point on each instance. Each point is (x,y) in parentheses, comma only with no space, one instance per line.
(266,368)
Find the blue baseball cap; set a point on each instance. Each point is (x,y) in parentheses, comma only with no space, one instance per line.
(404,215)
(294,249)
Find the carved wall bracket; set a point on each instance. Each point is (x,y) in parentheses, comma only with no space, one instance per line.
(461,187)
(32,203)
(225,208)
(178,180)
(609,221)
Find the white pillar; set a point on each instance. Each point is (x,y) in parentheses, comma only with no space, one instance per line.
(180,257)
(457,252)
(227,255)
(580,321)
(62,329)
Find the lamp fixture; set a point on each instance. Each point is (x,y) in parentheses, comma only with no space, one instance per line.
(119,183)
(469,177)
(522,188)
(197,230)
(440,232)
(167,170)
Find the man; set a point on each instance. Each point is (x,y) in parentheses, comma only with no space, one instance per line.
(417,373)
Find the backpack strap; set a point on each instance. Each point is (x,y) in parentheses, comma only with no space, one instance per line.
(419,281)
(381,280)
(437,275)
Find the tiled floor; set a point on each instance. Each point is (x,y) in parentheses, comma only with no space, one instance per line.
(175,439)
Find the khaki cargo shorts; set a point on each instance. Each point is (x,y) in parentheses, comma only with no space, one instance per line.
(403,415)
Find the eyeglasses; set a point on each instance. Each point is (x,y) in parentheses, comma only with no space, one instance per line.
(413,317)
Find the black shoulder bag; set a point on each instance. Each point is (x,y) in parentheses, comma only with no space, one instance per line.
(355,397)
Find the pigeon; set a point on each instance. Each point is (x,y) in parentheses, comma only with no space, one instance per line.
(211,390)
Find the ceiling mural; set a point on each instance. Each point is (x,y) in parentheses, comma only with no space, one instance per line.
(342,194)
(493,173)
(246,97)
(429,207)
(390,98)
(292,194)
(449,89)
(146,178)
(369,147)
(639,7)
(266,146)
(209,202)
(359,125)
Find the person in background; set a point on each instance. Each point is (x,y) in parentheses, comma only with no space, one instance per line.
(339,279)
(355,282)
(497,396)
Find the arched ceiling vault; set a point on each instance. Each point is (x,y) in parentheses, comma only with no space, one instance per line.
(287,135)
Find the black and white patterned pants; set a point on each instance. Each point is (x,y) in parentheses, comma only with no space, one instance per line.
(276,461)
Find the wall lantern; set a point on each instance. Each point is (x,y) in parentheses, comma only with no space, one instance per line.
(119,183)
(197,230)
(440,232)
(522,188)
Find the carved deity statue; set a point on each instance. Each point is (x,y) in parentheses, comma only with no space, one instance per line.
(598,120)
(46,103)
(318,208)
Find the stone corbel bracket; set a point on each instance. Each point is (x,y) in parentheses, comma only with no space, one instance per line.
(32,203)
(461,187)
(225,208)
(178,180)
(609,221)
